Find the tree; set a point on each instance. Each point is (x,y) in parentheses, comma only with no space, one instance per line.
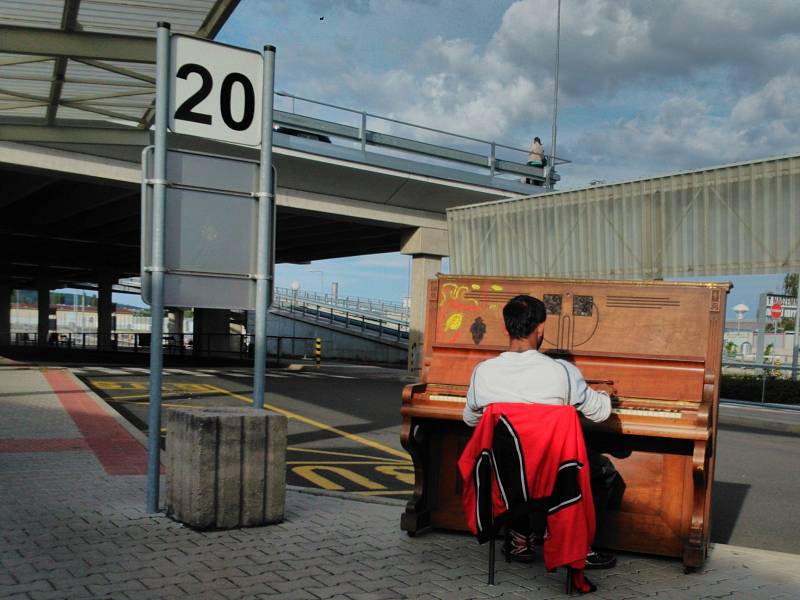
(789,289)
(790,284)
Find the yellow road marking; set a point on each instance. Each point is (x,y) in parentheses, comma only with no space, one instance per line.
(339,453)
(102,384)
(402,473)
(291,415)
(162,404)
(130,399)
(309,472)
(350,462)
(386,493)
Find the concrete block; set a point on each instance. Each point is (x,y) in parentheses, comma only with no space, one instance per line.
(226,467)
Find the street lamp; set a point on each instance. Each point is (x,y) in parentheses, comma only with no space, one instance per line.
(741,311)
(295,288)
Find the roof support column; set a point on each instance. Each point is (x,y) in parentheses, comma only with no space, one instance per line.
(43,301)
(5,313)
(426,247)
(105,311)
(212,332)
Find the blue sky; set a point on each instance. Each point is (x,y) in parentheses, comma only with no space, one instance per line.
(645,87)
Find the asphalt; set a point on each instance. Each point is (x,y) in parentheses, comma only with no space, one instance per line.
(73,525)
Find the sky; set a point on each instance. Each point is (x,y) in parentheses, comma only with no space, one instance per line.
(645,88)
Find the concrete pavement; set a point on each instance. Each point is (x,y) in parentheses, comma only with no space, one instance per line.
(73,525)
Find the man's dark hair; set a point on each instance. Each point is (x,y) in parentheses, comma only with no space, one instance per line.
(522,314)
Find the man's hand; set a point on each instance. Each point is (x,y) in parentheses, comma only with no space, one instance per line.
(603,385)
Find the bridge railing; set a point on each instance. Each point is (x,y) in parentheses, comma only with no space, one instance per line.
(384,308)
(363,323)
(475,152)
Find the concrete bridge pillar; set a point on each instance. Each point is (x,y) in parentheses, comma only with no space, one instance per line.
(426,246)
(212,332)
(105,312)
(5,313)
(43,302)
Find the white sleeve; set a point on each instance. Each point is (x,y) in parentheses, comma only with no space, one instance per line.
(472,411)
(595,406)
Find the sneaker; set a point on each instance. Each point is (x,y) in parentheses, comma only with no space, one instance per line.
(599,560)
(519,547)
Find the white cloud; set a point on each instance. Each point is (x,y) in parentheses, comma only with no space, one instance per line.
(777,101)
(645,87)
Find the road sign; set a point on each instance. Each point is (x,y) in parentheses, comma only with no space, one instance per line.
(776,310)
(211,236)
(788,304)
(215,91)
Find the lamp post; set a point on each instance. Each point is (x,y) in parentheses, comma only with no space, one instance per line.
(549,183)
(295,288)
(741,311)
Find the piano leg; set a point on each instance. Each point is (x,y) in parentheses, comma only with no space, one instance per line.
(696,547)
(417,515)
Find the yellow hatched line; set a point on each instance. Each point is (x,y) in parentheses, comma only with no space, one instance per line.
(348,462)
(318,424)
(130,399)
(385,493)
(339,453)
(163,405)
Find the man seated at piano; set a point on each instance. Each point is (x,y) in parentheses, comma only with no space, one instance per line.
(524,375)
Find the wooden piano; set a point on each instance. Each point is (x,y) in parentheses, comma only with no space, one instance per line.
(658,344)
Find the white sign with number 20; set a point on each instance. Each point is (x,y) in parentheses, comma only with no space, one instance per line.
(215,91)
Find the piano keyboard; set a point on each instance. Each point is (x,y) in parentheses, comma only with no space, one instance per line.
(662,413)
(445,398)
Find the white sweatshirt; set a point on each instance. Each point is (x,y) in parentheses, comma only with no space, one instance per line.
(535,378)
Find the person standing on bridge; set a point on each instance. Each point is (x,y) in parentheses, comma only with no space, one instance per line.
(536,157)
(525,375)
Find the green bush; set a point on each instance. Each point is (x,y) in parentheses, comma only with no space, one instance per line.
(748,387)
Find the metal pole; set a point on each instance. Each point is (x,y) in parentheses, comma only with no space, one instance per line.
(294,321)
(266,207)
(796,349)
(363,132)
(550,167)
(157,266)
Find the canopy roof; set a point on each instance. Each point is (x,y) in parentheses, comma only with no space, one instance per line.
(90,62)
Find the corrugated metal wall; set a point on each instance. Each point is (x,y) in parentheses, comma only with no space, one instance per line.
(730,220)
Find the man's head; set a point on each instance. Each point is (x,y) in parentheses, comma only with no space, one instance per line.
(536,139)
(524,317)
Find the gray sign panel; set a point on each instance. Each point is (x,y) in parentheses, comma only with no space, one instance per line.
(210,226)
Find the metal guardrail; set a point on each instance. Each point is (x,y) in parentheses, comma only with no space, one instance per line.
(207,345)
(365,324)
(356,304)
(364,136)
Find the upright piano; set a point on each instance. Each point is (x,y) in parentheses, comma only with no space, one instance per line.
(657,345)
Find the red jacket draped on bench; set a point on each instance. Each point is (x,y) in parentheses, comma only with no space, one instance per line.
(530,457)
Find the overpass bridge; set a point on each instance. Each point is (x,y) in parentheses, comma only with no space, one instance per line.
(76,92)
